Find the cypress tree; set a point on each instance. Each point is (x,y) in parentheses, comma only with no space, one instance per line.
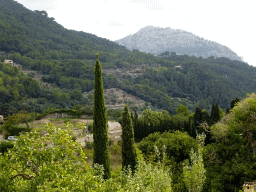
(215,114)
(232,105)
(135,125)
(129,156)
(132,117)
(100,127)
(207,119)
(197,119)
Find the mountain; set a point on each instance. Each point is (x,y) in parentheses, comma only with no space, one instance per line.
(65,59)
(156,40)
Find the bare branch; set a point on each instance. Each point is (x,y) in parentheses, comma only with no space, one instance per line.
(27,177)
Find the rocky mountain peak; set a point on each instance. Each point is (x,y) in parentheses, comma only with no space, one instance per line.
(156,40)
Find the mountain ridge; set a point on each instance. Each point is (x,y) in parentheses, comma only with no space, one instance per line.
(156,40)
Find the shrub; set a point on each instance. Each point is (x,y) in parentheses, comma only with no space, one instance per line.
(119,142)
(4,146)
(110,142)
(146,178)
(89,144)
(178,144)
(90,127)
(15,131)
(73,138)
(116,148)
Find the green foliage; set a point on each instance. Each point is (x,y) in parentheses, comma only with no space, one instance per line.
(88,144)
(4,146)
(182,110)
(90,127)
(178,144)
(88,110)
(10,125)
(54,160)
(101,154)
(129,156)
(152,117)
(15,131)
(115,113)
(232,104)
(215,114)
(116,148)
(231,160)
(49,159)
(146,178)
(110,142)
(194,174)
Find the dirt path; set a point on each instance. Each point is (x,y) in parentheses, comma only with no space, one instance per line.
(114,129)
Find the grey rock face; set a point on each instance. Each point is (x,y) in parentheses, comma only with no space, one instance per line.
(156,40)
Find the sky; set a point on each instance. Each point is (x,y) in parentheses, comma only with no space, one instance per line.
(228,22)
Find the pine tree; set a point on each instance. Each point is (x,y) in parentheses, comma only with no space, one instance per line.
(129,156)
(101,154)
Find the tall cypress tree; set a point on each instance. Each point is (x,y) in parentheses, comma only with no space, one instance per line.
(135,126)
(215,114)
(207,119)
(132,117)
(198,119)
(129,156)
(100,127)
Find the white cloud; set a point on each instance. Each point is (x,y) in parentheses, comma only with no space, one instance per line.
(46,5)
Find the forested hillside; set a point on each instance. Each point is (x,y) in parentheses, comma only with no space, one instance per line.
(66,58)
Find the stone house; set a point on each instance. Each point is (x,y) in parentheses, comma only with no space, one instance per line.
(178,67)
(8,61)
(1,118)
(249,186)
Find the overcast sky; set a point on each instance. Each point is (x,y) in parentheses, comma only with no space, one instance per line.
(227,22)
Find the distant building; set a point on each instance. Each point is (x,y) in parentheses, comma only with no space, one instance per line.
(1,118)
(8,61)
(249,186)
(178,67)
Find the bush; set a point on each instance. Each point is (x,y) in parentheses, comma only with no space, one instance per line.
(15,131)
(110,142)
(178,144)
(119,120)
(119,142)
(4,146)
(116,148)
(73,138)
(90,127)
(89,144)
